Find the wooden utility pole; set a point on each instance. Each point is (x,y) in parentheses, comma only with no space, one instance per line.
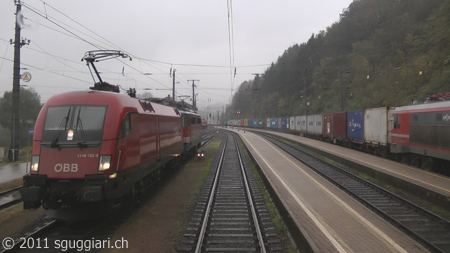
(18,43)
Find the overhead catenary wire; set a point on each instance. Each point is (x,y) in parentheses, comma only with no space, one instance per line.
(47,17)
(72,32)
(231,43)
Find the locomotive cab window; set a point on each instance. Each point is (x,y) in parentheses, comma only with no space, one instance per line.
(76,123)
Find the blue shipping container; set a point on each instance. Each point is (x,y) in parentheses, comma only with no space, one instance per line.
(273,123)
(250,123)
(260,123)
(355,125)
(283,123)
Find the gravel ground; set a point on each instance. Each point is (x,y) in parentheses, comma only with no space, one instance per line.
(158,225)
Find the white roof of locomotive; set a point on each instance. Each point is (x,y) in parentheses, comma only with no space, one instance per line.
(434,105)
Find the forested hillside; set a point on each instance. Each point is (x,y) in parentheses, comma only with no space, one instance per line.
(380,53)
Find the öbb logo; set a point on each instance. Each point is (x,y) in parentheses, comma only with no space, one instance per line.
(66,167)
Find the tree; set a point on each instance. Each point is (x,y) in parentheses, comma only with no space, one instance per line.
(387,52)
(145,95)
(30,106)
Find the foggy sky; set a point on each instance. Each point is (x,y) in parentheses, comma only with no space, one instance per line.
(189,36)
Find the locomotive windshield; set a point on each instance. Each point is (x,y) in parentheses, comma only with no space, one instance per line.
(77,124)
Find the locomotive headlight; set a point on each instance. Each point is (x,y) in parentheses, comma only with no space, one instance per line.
(70,135)
(35,163)
(105,162)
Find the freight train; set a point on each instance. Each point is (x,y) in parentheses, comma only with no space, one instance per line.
(93,148)
(418,135)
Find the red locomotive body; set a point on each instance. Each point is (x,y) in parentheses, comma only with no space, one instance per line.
(93,146)
(204,123)
(421,133)
(192,132)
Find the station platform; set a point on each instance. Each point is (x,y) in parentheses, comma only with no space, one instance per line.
(329,219)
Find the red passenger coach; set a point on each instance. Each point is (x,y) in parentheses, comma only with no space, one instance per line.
(421,134)
(92,146)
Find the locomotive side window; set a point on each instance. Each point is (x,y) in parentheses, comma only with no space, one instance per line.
(184,121)
(396,122)
(195,121)
(125,127)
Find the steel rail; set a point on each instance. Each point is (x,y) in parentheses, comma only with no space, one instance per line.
(250,200)
(210,202)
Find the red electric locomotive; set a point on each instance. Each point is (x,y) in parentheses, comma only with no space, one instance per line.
(192,132)
(421,134)
(93,146)
(204,123)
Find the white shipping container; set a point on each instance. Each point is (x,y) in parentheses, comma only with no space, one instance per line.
(318,124)
(310,126)
(376,125)
(292,123)
(297,123)
(303,124)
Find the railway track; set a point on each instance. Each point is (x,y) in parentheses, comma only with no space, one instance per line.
(231,215)
(425,227)
(9,198)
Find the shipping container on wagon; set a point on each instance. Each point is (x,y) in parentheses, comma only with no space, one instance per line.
(273,122)
(317,127)
(378,123)
(267,123)
(355,126)
(235,122)
(303,124)
(335,127)
(245,123)
(259,123)
(283,123)
(298,123)
(241,122)
(250,123)
(292,123)
(310,124)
